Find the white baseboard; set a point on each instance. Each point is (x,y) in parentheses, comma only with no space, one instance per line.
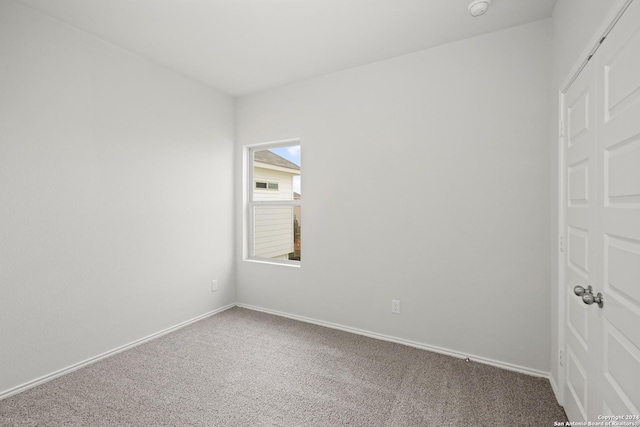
(435,349)
(43,379)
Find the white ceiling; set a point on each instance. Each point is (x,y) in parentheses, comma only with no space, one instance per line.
(244,46)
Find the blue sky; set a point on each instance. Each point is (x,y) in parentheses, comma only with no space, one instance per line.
(293,155)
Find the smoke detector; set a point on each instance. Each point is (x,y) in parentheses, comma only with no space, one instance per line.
(478,7)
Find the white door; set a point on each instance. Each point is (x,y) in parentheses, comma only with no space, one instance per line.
(602,227)
(618,145)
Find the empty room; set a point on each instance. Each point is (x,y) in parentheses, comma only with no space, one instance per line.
(319,212)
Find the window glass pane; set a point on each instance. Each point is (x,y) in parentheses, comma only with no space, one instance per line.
(279,169)
(261,185)
(277,232)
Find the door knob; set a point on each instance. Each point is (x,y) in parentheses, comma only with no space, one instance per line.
(587,295)
(579,290)
(590,299)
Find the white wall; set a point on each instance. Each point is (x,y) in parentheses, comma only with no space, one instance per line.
(116,197)
(431,171)
(576,25)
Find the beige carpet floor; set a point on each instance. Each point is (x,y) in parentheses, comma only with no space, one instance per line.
(245,368)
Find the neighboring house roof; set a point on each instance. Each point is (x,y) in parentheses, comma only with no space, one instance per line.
(296,196)
(266,156)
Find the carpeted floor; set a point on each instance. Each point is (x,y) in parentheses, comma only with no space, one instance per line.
(245,368)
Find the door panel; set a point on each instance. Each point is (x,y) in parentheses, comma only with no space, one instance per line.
(622,176)
(578,117)
(578,180)
(578,248)
(620,354)
(577,381)
(622,69)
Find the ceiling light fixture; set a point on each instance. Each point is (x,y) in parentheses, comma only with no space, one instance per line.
(478,7)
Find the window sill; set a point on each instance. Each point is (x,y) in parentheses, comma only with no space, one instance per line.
(283,263)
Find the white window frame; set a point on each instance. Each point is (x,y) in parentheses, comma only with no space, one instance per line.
(251,204)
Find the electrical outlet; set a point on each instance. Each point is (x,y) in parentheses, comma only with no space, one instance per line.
(395,306)
(214,285)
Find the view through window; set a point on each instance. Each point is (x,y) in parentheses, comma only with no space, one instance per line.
(275,203)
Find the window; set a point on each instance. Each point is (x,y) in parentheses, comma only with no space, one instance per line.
(266,185)
(274,202)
